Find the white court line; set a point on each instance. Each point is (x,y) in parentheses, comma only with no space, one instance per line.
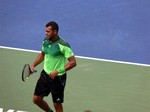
(90,58)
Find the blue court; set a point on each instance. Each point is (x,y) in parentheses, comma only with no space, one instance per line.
(110,39)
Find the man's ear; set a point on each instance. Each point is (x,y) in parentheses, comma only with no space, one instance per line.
(55,31)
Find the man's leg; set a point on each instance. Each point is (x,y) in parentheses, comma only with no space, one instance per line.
(38,100)
(58,107)
(58,94)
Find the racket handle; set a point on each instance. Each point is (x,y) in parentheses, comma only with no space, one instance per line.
(35,71)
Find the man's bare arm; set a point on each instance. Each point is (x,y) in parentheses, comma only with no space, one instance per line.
(37,61)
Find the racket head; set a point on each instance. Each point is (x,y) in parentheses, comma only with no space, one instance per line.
(26,72)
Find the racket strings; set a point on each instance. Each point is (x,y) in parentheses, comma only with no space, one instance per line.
(26,72)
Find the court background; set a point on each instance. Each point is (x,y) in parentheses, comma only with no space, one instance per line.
(106,29)
(114,30)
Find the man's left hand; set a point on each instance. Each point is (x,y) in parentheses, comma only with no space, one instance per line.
(53,74)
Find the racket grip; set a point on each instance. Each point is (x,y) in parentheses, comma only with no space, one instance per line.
(35,71)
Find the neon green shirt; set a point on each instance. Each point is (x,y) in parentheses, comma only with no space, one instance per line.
(56,55)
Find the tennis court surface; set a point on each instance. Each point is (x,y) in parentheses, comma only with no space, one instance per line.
(94,85)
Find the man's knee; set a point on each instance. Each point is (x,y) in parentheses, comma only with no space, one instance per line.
(37,99)
(57,105)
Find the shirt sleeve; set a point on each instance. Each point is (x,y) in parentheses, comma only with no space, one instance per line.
(67,51)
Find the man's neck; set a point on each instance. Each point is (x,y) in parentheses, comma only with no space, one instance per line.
(54,38)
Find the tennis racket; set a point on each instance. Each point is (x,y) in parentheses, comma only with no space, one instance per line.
(26,72)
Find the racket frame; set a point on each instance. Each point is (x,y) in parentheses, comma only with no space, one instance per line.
(23,78)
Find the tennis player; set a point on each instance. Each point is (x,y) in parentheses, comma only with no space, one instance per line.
(55,53)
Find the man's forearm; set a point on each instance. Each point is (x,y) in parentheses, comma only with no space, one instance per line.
(38,60)
(70,64)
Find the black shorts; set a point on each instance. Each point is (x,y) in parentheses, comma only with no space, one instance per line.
(45,85)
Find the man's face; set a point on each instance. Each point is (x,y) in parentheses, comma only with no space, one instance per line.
(49,32)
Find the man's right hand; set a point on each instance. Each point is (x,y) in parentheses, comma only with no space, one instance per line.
(32,68)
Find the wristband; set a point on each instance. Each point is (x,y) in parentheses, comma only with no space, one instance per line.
(61,70)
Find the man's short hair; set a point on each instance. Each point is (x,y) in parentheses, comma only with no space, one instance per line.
(53,24)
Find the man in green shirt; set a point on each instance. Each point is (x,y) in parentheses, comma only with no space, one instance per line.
(55,53)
